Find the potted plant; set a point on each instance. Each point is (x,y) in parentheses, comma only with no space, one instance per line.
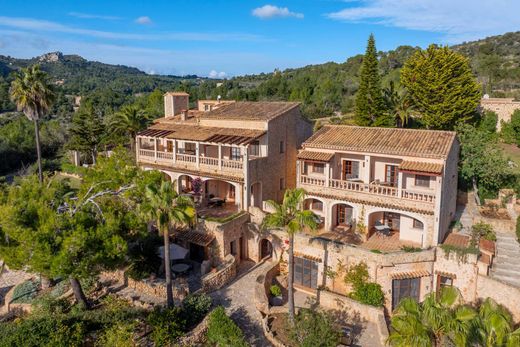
(276,295)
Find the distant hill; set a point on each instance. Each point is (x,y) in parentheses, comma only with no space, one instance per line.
(79,76)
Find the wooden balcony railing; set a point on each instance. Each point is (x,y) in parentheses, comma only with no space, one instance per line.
(374,189)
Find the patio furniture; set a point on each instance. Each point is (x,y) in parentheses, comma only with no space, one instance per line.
(382,230)
(216,201)
(180,268)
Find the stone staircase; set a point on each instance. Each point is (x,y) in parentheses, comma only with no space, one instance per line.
(506,265)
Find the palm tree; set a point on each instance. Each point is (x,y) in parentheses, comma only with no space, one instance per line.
(290,216)
(399,104)
(168,210)
(129,121)
(33,95)
(437,319)
(495,326)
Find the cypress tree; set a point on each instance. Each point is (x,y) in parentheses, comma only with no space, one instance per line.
(370,109)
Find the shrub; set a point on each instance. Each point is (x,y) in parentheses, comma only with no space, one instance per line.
(482,230)
(121,334)
(313,328)
(25,292)
(369,294)
(48,305)
(357,274)
(195,307)
(275,290)
(168,325)
(144,259)
(489,121)
(222,331)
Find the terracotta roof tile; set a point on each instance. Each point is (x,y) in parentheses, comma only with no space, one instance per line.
(416,166)
(251,110)
(457,240)
(394,141)
(313,155)
(177,93)
(485,258)
(445,274)
(410,274)
(487,245)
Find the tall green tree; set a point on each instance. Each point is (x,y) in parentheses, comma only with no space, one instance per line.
(169,210)
(33,94)
(399,105)
(442,87)
(86,132)
(370,108)
(290,216)
(128,122)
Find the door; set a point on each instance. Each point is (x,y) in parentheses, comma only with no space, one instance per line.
(350,169)
(344,215)
(391,175)
(305,272)
(405,288)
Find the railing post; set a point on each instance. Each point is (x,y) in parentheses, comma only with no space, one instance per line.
(174,151)
(399,184)
(219,156)
(327,174)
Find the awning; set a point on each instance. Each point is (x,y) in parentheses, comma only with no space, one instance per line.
(427,168)
(316,156)
(410,274)
(176,252)
(201,239)
(231,139)
(154,133)
(308,257)
(445,274)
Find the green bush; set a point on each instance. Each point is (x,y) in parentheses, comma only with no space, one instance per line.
(25,292)
(369,294)
(168,325)
(489,121)
(121,334)
(357,274)
(313,328)
(482,230)
(275,290)
(195,307)
(222,331)
(144,259)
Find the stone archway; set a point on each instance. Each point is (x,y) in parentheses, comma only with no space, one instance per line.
(266,249)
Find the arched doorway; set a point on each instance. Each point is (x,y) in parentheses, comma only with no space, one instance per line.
(256,194)
(185,184)
(342,216)
(220,189)
(266,249)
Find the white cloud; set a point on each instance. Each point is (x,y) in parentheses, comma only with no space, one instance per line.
(144,20)
(92,16)
(37,25)
(216,74)
(458,20)
(270,11)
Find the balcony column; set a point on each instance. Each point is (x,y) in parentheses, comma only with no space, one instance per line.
(155,149)
(247,184)
(219,156)
(400,183)
(197,154)
(328,206)
(327,174)
(174,151)
(367,168)
(137,147)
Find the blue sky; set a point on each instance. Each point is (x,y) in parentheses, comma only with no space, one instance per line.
(233,37)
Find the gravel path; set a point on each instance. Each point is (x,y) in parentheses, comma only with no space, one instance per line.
(239,301)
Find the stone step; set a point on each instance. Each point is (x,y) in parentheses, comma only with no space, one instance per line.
(501,270)
(508,254)
(506,262)
(512,281)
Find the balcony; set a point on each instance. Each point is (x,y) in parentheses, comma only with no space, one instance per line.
(190,161)
(365,189)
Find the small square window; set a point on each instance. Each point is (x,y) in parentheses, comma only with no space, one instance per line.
(318,168)
(417,224)
(422,181)
(317,205)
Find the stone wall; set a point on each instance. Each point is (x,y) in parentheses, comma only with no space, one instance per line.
(262,288)
(502,293)
(355,311)
(197,336)
(503,107)
(224,274)
(464,272)
(227,232)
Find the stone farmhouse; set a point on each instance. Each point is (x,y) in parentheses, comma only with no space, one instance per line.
(503,107)
(385,197)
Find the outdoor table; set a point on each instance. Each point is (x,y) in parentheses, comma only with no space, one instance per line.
(180,268)
(382,229)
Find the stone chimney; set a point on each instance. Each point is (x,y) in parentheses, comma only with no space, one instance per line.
(175,103)
(184,115)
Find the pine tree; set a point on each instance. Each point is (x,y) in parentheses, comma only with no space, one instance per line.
(86,132)
(370,108)
(442,87)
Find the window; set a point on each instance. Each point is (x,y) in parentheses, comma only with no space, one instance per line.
(417,224)
(405,288)
(318,168)
(393,220)
(169,146)
(317,205)
(422,181)
(282,183)
(350,169)
(282,147)
(235,153)
(254,148)
(344,215)
(391,175)
(305,272)
(190,148)
(444,281)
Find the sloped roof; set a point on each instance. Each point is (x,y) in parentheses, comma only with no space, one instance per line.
(201,239)
(415,166)
(251,110)
(394,141)
(317,156)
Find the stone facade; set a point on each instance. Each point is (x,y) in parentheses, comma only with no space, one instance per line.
(503,107)
(222,276)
